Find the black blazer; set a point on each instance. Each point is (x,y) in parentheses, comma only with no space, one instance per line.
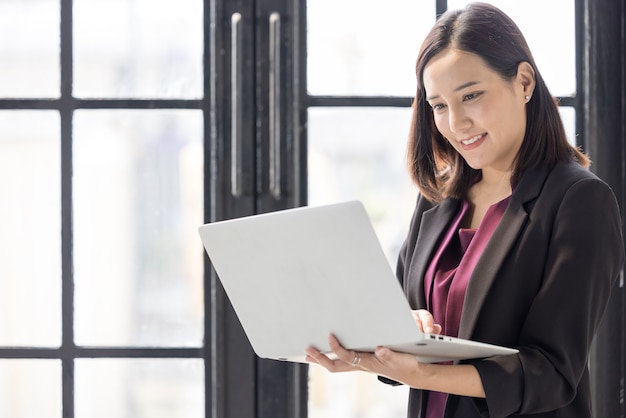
(541,285)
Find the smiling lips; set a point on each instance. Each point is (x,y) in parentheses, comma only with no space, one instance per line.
(472,139)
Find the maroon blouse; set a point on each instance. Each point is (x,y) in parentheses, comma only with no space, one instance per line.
(449,273)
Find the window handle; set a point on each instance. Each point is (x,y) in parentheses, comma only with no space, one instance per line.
(236,131)
(274,106)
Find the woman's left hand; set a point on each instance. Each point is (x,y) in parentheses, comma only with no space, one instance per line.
(383,361)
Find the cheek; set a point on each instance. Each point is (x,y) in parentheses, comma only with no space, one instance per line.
(441,123)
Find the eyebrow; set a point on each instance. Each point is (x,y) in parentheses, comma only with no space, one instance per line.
(461,87)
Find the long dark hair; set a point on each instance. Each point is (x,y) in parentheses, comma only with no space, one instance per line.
(483,30)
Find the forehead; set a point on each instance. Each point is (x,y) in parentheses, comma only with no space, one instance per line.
(452,69)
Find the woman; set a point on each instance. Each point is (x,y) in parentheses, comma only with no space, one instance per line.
(513,241)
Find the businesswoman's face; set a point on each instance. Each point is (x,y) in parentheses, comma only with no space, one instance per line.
(482,115)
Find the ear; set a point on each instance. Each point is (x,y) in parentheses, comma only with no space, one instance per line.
(526,79)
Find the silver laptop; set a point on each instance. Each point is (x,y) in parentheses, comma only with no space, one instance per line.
(297,275)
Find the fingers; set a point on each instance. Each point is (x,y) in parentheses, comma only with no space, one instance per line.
(350,360)
(426,322)
(383,361)
(350,357)
(357,359)
(347,360)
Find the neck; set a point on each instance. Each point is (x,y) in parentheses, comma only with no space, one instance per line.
(492,187)
(497,178)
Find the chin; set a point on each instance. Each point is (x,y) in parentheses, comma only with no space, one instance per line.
(475,165)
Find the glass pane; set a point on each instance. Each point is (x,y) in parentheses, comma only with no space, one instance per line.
(373,45)
(354,395)
(29,47)
(568,116)
(549,29)
(138,48)
(139,388)
(360,153)
(138,202)
(30,388)
(30,221)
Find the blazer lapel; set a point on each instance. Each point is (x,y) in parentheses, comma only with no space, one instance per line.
(433,225)
(498,247)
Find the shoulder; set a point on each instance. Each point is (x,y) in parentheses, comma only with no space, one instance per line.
(571,177)
(570,172)
(566,185)
(445,208)
(573,190)
(429,215)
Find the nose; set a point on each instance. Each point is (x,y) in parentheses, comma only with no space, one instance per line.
(458,119)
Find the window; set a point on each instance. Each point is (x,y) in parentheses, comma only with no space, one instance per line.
(102,163)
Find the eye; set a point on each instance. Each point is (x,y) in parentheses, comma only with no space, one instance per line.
(471,96)
(437,107)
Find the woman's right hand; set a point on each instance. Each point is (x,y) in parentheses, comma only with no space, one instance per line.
(426,322)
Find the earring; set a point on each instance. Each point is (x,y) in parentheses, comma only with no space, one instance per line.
(527,97)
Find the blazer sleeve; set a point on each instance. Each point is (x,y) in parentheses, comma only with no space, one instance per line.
(585,256)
